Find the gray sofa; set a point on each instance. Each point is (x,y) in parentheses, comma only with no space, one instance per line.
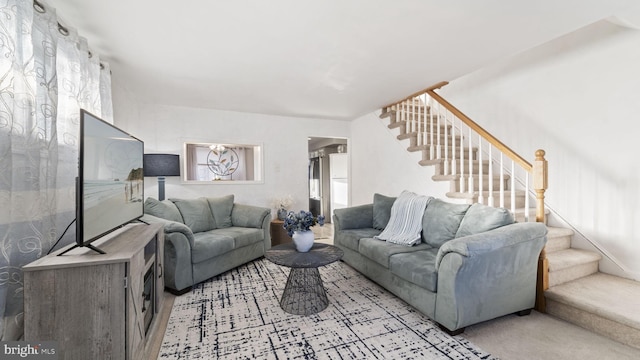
(473,262)
(207,236)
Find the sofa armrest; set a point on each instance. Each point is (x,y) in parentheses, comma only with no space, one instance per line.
(178,242)
(253,217)
(486,275)
(493,240)
(356,217)
(248,215)
(171,227)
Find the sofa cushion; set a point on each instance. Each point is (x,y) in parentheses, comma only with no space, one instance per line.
(164,209)
(196,214)
(350,238)
(207,245)
(380,251)
(441,221)
(241,236)
(221,209)
(249,216)
(418,267)
(381,210)
(480,218)
(355,217)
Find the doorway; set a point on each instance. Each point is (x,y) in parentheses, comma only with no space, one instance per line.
(328,175)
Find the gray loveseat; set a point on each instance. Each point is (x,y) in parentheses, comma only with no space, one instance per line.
(207,236)
(473,262)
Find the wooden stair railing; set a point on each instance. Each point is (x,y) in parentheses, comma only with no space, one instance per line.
(463,149)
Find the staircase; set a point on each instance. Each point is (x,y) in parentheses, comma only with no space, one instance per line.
(578,293)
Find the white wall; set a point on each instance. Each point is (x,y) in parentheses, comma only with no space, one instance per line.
(378,162)
(165,128)
(381,164)
(578,99)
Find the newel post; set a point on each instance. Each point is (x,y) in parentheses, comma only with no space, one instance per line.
(540,179)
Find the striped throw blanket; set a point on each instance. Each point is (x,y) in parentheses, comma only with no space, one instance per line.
(405,222)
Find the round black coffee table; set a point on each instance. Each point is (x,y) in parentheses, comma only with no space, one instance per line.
(304,293)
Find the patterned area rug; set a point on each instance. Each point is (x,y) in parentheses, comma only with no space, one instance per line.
(237,315)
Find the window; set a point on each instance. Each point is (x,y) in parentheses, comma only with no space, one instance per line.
(218,162)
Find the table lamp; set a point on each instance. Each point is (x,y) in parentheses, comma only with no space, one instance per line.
(161,165)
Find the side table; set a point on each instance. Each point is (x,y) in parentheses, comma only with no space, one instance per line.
(278,233)
(304,293)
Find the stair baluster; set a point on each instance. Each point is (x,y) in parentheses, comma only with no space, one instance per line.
(490,156)
(480,177)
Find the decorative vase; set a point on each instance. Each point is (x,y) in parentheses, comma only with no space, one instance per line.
(303,240)
(282,214)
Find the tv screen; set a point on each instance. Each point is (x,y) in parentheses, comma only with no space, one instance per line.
(110,179)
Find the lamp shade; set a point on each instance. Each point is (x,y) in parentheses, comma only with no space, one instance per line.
(161,165)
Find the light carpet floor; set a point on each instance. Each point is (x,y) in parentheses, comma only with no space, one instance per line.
(544,337)
(237,316)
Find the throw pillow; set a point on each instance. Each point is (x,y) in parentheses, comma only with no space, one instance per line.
(441,221)
(221,209)
(164,209)
(381,210)
(196,214)
(480,218)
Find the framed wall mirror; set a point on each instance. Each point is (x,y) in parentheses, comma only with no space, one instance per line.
(222,163)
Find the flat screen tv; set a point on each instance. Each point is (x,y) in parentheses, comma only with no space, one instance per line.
(110,185)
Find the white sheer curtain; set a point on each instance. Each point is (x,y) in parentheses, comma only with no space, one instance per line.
(47,73)
(241,171)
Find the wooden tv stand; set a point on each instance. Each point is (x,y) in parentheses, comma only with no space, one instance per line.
(97,306)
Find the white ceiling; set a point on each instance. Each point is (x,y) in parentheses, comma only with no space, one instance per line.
(333,59)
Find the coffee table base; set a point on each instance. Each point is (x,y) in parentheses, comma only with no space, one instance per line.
(304,293)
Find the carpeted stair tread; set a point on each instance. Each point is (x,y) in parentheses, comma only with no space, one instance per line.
(558,231)
(472,197)
(558,239)
(438,132)
(563,259)
(607,296)
(485,178)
